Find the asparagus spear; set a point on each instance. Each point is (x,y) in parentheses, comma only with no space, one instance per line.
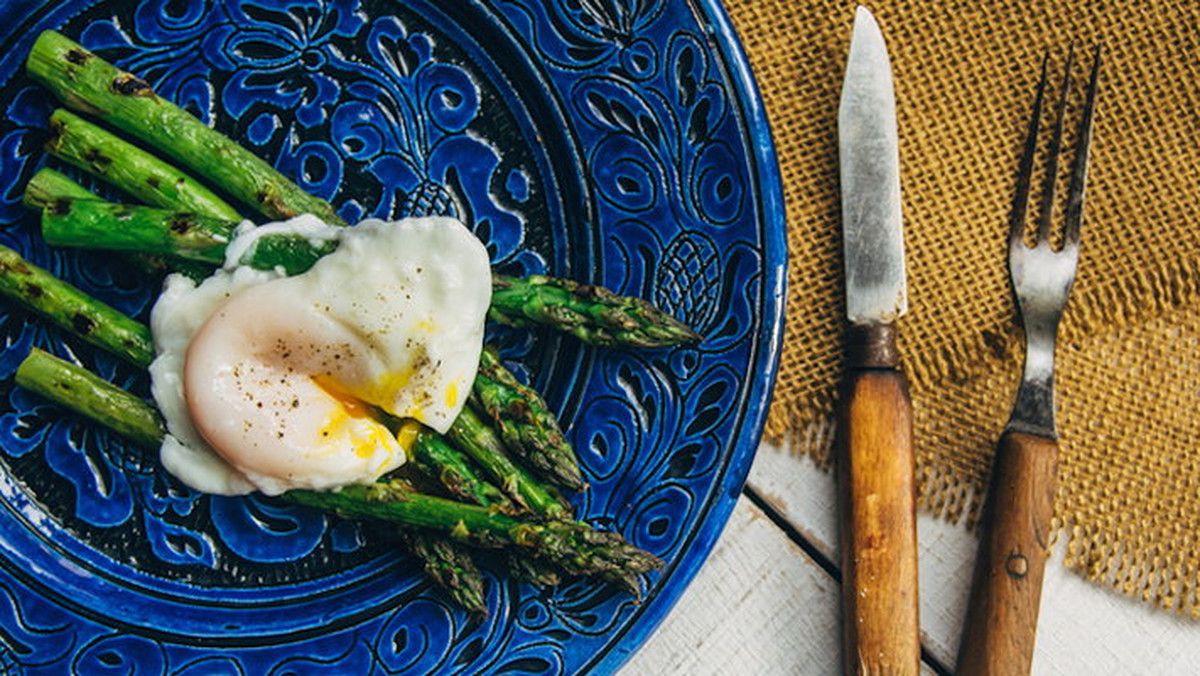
(292,253)
(533,570)
(575,547)
(594,314)
(48,186)
(591,313)
(88,84)
(73,310)
(436,458)
(524,422)
(118,227)
(79,390)
(149,179)
(478,441)
(450,566)
(178,234)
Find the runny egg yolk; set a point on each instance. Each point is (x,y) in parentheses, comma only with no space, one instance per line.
(407,433)
(344,421)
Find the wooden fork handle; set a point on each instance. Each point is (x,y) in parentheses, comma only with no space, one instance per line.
(880,627)
(1002,613)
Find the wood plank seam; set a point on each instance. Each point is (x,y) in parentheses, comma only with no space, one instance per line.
(777,518)
(793,533)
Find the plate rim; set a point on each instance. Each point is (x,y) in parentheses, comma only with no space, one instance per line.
(749,99)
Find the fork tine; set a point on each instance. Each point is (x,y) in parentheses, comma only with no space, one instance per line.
(1049,180)
(1079,168)
(1016,218)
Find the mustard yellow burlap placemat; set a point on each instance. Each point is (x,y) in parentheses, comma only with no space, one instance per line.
(1129,353)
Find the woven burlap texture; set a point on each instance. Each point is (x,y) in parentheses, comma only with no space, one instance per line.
(1129,348)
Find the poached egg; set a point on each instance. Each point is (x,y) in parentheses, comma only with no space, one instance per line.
(271,383)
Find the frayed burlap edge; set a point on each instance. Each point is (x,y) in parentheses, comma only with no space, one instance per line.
(1163,576)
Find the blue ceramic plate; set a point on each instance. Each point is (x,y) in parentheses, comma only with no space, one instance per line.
(619,142)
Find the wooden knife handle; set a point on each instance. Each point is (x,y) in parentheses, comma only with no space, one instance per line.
(880,625)
(1014,545)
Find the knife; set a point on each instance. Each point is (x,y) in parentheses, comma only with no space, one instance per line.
(880,629)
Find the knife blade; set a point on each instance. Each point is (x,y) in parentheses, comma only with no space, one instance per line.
(869,159)
(874,450)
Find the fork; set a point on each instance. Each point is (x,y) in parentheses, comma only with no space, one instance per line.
(1001,623)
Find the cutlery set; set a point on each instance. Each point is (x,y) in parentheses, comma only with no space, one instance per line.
(874,450)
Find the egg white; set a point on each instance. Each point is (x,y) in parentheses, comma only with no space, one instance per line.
(263,379)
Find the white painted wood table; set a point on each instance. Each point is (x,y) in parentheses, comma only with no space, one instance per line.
(766,601)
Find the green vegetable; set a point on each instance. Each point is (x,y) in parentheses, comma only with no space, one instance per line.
(290,252)
(470,434)
(591,313)
(48,186)
(90,85)
(573,546)
(436,458)
(102,225)
(71,215)
(177,234)
(81,391)
(525,423)
(450,566)
(147,178)
(73,310)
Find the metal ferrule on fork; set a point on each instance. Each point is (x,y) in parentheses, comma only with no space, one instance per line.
(1033,411)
